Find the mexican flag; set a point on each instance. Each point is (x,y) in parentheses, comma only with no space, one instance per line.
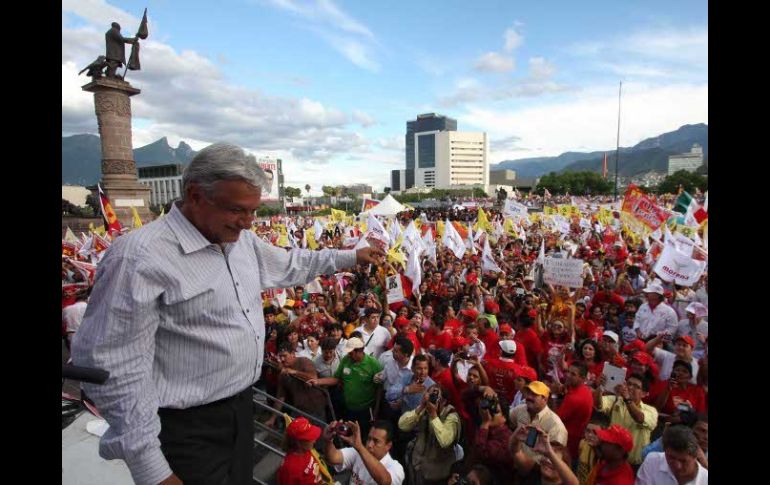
(693,212)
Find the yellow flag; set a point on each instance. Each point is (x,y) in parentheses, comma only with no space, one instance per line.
(338,215)
(137,219)
(440,228)
(395,255)
(162,212)
(508,228)
(283,241)
(310,236)
(483,222)
(281,229)
(549,211)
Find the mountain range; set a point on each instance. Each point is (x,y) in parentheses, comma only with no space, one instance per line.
(648,155)
(81,157)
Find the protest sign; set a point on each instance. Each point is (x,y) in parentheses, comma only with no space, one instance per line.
(563,272)
(640,213)
(395,289)
(677,265)
(514,209)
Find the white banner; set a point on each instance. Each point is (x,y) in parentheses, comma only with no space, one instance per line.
(514,209)
(678,266)
(563,272)
(395,291)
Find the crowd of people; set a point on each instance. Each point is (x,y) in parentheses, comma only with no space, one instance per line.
(476,375)
(497,375)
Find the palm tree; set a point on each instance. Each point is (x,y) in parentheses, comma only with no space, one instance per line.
(307,188)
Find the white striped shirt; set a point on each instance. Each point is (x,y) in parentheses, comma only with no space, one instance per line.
(178,323)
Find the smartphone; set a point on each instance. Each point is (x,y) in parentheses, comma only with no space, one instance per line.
(531,437)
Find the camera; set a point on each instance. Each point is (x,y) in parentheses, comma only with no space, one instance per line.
(343,429)
(434,395)
(683,408)
(490,404)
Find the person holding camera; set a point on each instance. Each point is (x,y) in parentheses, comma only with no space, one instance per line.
(679,391)
(370,463)
(535,411)
(552,465)
(478,475)
(491,442)
(431,454)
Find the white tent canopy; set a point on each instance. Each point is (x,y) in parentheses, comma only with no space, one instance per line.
(387,207)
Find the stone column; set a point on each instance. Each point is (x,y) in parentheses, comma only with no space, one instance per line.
(119,177)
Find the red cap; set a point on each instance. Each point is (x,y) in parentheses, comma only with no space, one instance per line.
(505,328)
(301,429)
(637,344)
(491,307)
(617,435)
(401,321)
(471,313)
(527,373)
(643,358)
(686,339)
(532,313)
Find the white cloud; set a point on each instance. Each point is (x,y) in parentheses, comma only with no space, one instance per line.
(513,39)
(346,35)
(540,69)
(99,12)
(589,121)
(494,62)
(363,119)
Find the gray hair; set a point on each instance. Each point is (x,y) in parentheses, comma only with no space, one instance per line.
(222,161)
(680,438)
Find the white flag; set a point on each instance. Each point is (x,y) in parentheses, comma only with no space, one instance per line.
(314,287)
(469,242)
(453,240)
(394,231)
(678,266)
(412,240)
(414,271)
(375,229)
(430,245)
(514,210)
(488,262)
(318,228)
(541,254)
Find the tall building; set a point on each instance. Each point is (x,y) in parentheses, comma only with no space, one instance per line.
(451,159)
(425,126)
(686,161)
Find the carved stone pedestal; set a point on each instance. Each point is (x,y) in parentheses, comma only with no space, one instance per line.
(119,178)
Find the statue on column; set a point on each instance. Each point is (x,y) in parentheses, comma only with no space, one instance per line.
(115,56)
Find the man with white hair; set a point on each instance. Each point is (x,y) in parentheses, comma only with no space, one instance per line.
(654,316)
(175,316)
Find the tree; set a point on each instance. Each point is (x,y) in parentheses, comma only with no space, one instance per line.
(689,181)
(479,193)
(577,183)
(93,202)
(307,188)
(386,190)
(292,192)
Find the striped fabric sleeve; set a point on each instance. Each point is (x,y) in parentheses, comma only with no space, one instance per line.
(118,335)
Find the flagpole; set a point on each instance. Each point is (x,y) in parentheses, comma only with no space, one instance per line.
(617,146)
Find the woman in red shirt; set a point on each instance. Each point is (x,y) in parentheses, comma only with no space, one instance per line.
(588,353)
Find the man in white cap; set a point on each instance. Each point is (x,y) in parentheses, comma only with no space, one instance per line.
(695,326)
(654,316)
(502,371)
(610,348)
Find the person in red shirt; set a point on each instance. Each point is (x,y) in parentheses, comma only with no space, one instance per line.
(615,443)
(503,371)
(587,353)
(555,350)
(507,333)
(452,325)
(442,374)
(436,337)
(609,348)
(526,334)
(577,406)
(489,337)
(300,466)
(607,295)
(668,395)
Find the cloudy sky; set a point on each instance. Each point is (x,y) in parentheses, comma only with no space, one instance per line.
(328,85)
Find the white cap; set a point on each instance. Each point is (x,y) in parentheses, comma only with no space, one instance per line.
(654,288)
(612,335)
(698,309)
(508,346)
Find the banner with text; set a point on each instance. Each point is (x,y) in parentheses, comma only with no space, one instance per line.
(563,272)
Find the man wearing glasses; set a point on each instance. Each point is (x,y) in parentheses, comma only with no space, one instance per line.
(176,318)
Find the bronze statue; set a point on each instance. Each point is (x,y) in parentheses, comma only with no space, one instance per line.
(116,52)
(115,55)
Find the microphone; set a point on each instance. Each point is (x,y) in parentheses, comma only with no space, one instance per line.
(84,374)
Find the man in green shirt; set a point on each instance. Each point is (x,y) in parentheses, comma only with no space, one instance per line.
(626,409)
(356,373)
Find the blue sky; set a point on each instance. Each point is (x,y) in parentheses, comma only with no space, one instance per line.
(328,85)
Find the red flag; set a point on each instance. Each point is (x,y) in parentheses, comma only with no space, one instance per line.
(111,222)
